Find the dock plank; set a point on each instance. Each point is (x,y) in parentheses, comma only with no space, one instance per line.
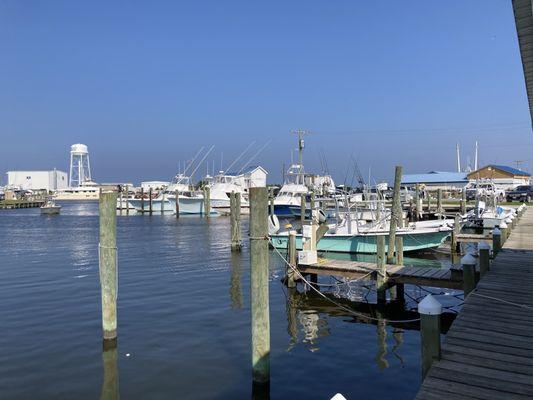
(488,351)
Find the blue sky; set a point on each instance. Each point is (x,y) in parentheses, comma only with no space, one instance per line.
(145,84)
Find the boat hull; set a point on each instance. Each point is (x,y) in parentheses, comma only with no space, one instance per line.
(50,210)
(366,244)
(187,205)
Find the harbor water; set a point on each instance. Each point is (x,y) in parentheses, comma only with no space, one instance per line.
(183,317)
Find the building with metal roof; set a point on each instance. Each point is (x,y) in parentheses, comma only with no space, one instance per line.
(437,180)
(502,175)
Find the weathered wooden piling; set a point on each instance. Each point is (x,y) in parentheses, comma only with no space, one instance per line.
(505,231)
(468,263)
(396,217)
(177,200)
(127,200)
(312,202)
(163,200)
(418,205)
(463,202)
(259,284)
(142,200)
(207,201)
(430,311)
(271,201)
(120,200)
(302,208)
(108,262)
(484,258)
(454,243)
(150,202)
(235,219)
(381,279)
(496,241)
(291,258)
(440,210)
(399,250)
(429,202)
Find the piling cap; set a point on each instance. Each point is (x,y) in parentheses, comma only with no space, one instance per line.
(503,225)
(483,246)
(429,306)
(496,232)
(468,259)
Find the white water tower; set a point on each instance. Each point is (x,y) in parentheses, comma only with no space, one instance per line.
(80,167)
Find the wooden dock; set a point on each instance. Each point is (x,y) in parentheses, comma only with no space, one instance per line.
(12,204)
(397,274)
(488,352)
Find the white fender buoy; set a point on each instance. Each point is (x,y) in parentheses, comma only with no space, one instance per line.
(273,224)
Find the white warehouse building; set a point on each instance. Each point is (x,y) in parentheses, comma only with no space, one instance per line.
(37,180)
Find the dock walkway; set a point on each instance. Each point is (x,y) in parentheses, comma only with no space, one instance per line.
(488,352)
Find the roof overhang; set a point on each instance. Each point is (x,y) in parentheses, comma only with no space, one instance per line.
(523,15)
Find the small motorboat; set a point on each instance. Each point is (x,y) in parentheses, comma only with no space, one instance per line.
(49,207)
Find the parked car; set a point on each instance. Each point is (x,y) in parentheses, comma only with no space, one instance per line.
(521,193)
(477,190)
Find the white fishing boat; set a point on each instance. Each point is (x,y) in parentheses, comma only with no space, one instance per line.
(351,235)
(489,217)
(86,191)
(49,207)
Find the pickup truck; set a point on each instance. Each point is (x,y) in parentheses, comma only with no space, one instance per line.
(521,193)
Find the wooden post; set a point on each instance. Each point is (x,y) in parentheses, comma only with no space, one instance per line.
(271,199)
(291,258)
(399,250)
(207,201)
(177,200)
(439,203)
(496,241)
(418,204)
(454,243)
(127,200)
(430,311)
(302,208)
(150,205)
(463,202)
(259,285)
(429,203)
(312,202)
(120,200)
(396,217)
(469,273)
(235,217)
(107,249)
(163,199)
(505,232)
(110,363)
(484,258)
(381,280)
(142,200)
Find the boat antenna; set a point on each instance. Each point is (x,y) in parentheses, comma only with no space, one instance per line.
(458,157)
(475,158)
(255,155)
(202,160)
(192,161)
(301,145)
(240,156)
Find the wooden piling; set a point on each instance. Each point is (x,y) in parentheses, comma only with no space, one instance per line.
(429,202)
(430,311)
(469,273)
(177,200)
(259,285)
(271,201)
(496,241)
(439,203)
(150,203)
(396,217)
(207,201)
(418,208)
(291,258)
(381,279)
(484,258)
(302,208)
(463,202)
(142,200)
(127,200)
(163,199)
(312,202)
(454,243)
(108,262)
(399,250)
(120,201)
(235,217)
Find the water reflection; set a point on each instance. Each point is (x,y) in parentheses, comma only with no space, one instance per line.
(312,311)
(110,364)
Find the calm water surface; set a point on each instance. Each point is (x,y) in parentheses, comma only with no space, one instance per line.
(184,317)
